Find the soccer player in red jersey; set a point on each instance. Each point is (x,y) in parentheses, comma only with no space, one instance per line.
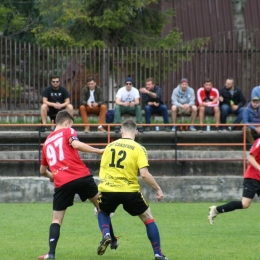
(251,185)
(68,172)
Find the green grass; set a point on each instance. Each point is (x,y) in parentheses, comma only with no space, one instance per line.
(184,229)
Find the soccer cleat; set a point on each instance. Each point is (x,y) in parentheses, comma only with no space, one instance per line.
(192,128)
(161,257)
(47,256)
(174,128)
(104,244)
(212,214)
(114,244)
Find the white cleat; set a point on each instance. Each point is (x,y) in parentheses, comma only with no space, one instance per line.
(212,214)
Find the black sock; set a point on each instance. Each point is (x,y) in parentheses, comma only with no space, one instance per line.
(230,206)
(112,231)
(54,237)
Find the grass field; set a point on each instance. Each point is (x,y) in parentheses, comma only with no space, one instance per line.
(185,233)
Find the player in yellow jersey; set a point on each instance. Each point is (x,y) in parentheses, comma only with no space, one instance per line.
(119,167)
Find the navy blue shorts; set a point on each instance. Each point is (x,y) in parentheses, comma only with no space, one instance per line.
(133,202)
(64,196)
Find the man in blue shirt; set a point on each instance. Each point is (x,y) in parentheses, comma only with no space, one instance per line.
(153,104)
(251,115)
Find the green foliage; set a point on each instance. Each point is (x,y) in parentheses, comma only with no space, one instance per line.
(101,23)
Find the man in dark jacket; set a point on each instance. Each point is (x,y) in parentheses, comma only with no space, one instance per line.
(251,115)
(232,101)
(153,104)
(92,102)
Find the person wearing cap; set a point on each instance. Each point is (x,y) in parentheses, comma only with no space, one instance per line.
(92,102)
(128,102)
(232,101)
(255,92)
(208,102)
(152,95)
(183,103)
(251,115)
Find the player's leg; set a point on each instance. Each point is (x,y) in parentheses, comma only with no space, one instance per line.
(152,233)
(251,187)
(54,234)
(136,205)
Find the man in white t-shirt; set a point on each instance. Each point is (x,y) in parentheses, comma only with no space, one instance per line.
(128,102)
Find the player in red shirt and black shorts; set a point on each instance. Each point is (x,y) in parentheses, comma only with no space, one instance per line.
(68,172)
(251,185)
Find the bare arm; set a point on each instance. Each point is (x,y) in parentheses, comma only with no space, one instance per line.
(66,102)
(82,147)
(46,102)
(149,180)
(46,173)
(251,159)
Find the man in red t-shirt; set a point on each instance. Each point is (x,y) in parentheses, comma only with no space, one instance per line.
(208,101)
(251,185)
(68,172)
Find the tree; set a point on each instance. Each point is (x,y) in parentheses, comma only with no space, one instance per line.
(102,23)
(18,18)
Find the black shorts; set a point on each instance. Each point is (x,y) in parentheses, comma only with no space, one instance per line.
(251,187)
(53,111)
(133,202)
(64,196)
(209,111)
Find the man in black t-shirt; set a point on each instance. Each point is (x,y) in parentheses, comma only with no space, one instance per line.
(54,99)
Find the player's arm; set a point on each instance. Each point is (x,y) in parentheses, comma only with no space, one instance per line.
(149,180)
(251,159)
(82,147)
(46,173)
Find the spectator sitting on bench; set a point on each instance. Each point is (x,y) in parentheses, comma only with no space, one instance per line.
(183,102)
(251,115)
(92,102)
(208,102)
(232,101)
(153,104)
(54,99)
(128,102)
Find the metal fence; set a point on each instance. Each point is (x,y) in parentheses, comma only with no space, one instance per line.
(26,68)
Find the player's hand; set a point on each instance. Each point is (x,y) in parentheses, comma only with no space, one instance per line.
(101,151)
(159,195)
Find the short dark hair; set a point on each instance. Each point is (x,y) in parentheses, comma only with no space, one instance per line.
(129,124)
(230,78)
(55,77)
(207,80)
(90,79)
(62,116)
(150,79)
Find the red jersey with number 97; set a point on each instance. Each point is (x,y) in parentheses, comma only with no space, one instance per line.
(252,172)
(63,160)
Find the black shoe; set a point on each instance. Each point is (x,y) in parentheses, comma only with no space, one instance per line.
(167,129)
(114,244)
(147,129)
(117,129)
(217,129)
(140,129)
(104,244)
